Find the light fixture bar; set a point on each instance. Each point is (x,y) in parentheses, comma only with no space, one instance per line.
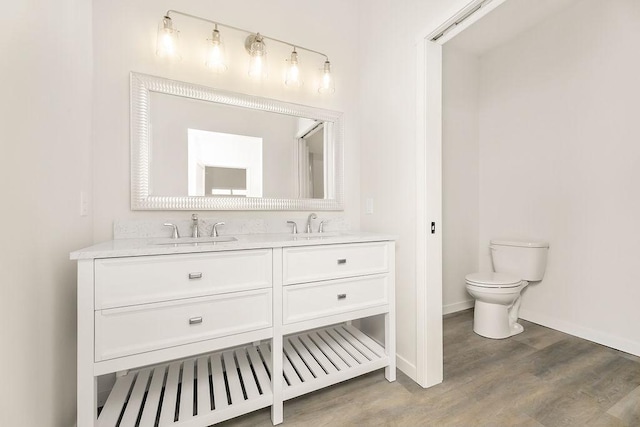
(296,46)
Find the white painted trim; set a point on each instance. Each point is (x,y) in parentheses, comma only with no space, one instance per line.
(574,329)
(457,306)
(429,358)
(421,219)
(405,366)
(479,14)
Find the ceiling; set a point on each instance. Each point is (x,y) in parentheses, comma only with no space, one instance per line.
(506,22)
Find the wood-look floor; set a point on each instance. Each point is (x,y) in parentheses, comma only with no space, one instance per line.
(541,377)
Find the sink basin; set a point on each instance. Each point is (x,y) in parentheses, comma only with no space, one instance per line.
(194,240)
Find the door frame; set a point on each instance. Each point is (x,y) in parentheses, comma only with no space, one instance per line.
(429,357)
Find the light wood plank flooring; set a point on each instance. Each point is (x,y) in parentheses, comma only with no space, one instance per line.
(541,377)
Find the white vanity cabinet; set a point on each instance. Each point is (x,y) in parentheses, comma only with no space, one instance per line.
(196,333)
(333,285)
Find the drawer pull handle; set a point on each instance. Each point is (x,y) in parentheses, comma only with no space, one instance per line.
(342,261)
(342,296)
(195,276)
(195,320)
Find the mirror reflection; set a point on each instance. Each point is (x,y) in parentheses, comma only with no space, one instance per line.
(202,148)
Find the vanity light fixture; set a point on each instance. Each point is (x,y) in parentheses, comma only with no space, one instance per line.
(167,46)
(254,44)
(293,72)
(327,85)
(215,52)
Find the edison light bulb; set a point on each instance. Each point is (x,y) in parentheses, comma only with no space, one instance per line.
(293,71)
(327,85)
(258,58)
(167,45)
(215,53)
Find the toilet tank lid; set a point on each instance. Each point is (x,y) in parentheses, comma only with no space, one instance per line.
(520,243)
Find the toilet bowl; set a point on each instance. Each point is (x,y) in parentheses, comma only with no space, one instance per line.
(497,298)
(498,293)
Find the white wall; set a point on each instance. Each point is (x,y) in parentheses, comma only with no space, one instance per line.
(460,204)
(560,161)
(173,115)
(389,31)
(125,41)
(45,117)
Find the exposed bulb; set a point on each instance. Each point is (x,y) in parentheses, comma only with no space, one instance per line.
(258,58)
(167,44)
(293,71)
(215,53)
(327,85)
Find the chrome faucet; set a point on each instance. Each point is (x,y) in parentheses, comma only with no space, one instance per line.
(321,226)
(174,232)
(214,229)
(311,216)
(294,229)
(195,232)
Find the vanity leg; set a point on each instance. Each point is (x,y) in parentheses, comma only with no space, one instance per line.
(390,319)
(87,384)
(277,377)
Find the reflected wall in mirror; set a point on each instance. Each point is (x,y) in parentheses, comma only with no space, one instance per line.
(194,147)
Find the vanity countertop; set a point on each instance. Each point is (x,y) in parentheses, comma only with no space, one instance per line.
(152,246)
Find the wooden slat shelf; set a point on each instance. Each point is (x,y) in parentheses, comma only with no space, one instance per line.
(212,388)
(328,356)
(191,392)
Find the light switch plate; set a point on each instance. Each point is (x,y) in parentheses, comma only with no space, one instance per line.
(368,210)
(84,204)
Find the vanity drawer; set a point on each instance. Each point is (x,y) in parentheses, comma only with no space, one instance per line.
(313,300)
(138,280)
(315,263)
(137,329)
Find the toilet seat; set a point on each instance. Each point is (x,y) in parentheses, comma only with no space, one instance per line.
(493,280)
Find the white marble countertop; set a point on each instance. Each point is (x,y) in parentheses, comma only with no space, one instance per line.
(163,246)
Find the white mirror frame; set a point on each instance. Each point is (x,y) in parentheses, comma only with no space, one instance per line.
(141,199)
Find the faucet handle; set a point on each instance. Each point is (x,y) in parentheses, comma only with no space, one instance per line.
(214,229)
(174,234)
(294,230)
(321,226)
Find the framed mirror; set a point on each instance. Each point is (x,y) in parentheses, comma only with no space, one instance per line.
(199,148)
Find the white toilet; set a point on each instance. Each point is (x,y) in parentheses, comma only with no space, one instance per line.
(497,294)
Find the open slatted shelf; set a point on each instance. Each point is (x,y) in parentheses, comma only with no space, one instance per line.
(192,392)
(216,387)
(320,358)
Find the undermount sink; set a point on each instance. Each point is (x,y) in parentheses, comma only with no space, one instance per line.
(194,240)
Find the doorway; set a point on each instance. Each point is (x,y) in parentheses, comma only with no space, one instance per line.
(505,19)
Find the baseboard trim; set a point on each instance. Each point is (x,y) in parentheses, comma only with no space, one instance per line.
(406,367)
(598,337)
(403,364)
(458,306)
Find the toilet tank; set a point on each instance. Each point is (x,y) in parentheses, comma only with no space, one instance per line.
(525,259)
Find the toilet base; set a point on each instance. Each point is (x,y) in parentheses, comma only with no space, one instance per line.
(494,321)
(516,329)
